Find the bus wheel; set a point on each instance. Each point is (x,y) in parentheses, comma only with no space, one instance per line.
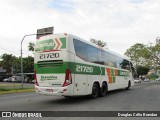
(95,90)
(129,85)
(103,89)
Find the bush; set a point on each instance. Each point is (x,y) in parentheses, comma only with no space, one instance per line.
(153,76)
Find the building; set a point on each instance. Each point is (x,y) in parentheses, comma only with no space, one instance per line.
(2,73)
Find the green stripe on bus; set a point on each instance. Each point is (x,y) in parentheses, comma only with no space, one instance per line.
(75,68)
(114,79)
(63,41)
(78,68)
(123,73)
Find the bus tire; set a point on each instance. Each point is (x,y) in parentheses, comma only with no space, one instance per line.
(95,90)
(129,85)
(103,89)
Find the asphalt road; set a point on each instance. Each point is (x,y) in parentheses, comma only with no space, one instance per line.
(141,97)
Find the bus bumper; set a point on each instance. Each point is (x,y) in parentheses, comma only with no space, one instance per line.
(58,91)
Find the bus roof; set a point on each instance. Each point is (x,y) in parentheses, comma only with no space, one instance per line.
(112,52)
(88,42)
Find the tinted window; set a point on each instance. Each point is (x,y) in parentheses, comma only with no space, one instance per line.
(119,62)
(101,56)
(125,65)
(80,49)
(111,60)
(92,54)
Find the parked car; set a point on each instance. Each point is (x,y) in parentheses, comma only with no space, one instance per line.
(146,80)
(28,78)
(137,81)
(158,79)
(7,79)
(16,78)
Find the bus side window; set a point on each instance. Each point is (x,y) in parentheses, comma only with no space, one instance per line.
(125,65)
(92,53)
(80,49)
(101,57)
(106,62)
(111,59)
(118,62)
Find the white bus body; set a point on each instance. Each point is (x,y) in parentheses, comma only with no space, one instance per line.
(66,65)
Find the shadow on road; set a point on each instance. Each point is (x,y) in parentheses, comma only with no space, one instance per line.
(80,99)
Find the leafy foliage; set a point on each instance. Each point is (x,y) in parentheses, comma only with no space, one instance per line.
(98,42)
(28,63)
(31,46)
(141,70)
(10,61)
(145,55)
(136,53)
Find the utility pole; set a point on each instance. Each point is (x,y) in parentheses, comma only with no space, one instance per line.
(40,32)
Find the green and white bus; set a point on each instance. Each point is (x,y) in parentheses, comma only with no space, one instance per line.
(66,65)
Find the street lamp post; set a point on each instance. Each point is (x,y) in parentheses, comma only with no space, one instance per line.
(43,33)
(22,75)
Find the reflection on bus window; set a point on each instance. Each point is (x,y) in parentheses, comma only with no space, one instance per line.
(125,65)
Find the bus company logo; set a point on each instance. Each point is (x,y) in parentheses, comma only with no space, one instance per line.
(46,43)
(50,77)
(50,44)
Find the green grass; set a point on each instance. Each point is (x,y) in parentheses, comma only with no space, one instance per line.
(15,90)
(4,89)
(15,87)
(11,85)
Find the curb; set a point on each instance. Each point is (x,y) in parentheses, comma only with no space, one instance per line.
(16,91)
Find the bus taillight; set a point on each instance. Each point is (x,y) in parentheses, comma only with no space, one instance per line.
(68,78)
(35,78)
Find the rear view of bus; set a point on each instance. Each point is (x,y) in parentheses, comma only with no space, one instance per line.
(52,75)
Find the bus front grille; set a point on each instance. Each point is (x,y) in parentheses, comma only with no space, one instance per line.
(50,63)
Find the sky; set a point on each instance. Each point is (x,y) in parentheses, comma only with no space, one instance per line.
(119,23)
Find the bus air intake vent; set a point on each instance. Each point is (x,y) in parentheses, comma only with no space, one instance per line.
(50,63)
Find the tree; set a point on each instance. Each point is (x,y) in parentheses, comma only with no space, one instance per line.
(98,42)
(28,64)
(141,70)
(146,55)
(155,54)
(153,57)
(31,46)
(17,65)
(8,61)
(137,53)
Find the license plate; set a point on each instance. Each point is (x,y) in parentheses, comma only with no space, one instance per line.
(49,90)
